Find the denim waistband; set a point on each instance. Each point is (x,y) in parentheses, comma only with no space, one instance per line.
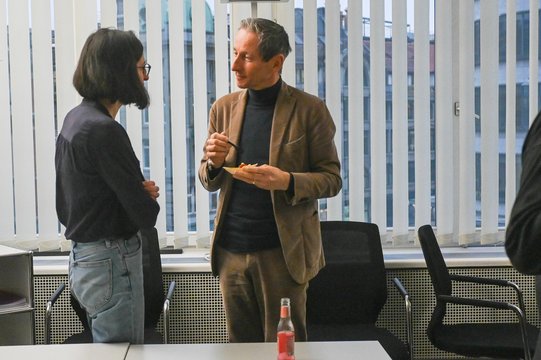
(108,243)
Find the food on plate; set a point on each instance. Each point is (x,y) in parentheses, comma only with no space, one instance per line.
(232,170)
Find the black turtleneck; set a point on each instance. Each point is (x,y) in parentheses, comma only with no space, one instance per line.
(249,221)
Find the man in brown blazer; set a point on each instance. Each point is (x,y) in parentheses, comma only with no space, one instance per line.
(267,241)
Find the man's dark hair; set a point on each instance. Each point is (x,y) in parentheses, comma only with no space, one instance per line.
(107,68)
(273,39)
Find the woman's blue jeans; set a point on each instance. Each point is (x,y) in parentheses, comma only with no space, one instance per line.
(106,277)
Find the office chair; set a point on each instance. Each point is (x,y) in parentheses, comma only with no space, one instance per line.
(155,301)
(497,340)
(344,300)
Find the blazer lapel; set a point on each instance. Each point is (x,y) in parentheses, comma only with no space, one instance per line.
(282,116)
(235,125)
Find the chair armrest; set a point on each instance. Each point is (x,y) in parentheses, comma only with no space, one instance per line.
(166,306)
(407,307)
(479,280)
(401,288)
(49,311)
(495,305)
(477,302)
(170,291)
(496,282)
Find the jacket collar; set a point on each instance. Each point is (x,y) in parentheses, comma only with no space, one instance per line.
(282,116)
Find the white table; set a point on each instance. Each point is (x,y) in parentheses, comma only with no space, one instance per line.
(65,352)
(344,350)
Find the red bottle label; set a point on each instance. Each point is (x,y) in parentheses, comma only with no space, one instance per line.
(286,345)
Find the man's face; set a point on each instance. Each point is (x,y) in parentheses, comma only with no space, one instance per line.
(250,70)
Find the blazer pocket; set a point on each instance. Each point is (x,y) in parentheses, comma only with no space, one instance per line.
(294,155)
(295,142)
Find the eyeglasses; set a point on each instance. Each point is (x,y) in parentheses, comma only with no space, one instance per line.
(146,68)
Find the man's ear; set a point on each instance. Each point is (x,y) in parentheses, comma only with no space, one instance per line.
(278,62)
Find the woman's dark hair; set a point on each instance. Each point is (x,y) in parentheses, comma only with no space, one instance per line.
(273,39)
(107,68)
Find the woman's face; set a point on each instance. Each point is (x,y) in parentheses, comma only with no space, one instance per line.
(141,70)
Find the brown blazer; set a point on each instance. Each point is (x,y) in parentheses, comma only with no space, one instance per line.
(302,143)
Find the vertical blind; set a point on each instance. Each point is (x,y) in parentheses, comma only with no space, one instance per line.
(356,142)
(510,103)
(489,120)
(421,112)
(417,118)
(400,119)
(378,119)
(445,167)
(466,155)
(178,126)
(333,88)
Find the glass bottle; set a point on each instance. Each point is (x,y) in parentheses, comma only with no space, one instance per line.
(285,332)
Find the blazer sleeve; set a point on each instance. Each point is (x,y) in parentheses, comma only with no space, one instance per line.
(210,183)
(322,180)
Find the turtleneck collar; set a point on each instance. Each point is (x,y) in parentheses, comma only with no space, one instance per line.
(266,96)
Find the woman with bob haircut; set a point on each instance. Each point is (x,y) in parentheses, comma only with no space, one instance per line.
(102,197)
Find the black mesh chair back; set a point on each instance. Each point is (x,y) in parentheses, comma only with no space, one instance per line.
(434,261)
(344,300)
(439,274)
(84,336)
(489,339)
(351,288)
(152,275)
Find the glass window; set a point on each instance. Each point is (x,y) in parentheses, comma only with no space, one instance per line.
(191,152)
